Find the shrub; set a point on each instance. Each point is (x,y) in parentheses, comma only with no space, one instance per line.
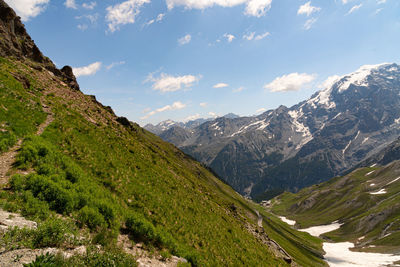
(52,233)
(91,217)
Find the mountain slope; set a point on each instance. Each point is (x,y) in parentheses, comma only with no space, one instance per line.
(354,117)
(365,201)
(109,177)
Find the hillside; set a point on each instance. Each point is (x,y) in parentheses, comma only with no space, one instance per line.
(90,178)
(351,119)
(365,202)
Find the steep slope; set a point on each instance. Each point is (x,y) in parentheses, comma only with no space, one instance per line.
(366,202)
(110,177)
(354,117)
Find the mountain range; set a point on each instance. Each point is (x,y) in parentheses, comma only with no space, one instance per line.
(348,121)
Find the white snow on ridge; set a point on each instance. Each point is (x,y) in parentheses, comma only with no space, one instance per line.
(380,192)
(262,126)
(371,172)
(300,128)
(395,180)
(358,77)
(323,97)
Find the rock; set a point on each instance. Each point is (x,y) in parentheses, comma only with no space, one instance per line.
(69,77)
(17,258)
(8,219)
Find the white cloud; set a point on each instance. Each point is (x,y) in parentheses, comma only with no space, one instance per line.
(378,11)
(90,5)
(258,8)
(168,83)
(261,110)
(261,36)
(203,104)
(87,70)
(70,4)
(192,118)
(229,37)
(221,85)
(290,82)
(307,9)
(255,8)
(213,114)
(123,13)
(159,18)
(381,2)
(329,82)
(249,36)
(115,64)
(27,9)
(308,24)
(185,39)
(252,36)
(175,106)
(237,90)
(82,27)
(92,18)
(354,8)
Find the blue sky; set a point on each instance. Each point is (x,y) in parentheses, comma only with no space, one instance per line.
(152,60)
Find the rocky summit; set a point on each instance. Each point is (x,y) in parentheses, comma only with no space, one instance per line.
(352,118)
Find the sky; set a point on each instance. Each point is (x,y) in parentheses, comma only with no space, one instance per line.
(152,60)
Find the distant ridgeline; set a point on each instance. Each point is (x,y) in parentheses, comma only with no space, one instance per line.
(339,127)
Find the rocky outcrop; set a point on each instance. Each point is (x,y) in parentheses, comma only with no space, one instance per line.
(16,42)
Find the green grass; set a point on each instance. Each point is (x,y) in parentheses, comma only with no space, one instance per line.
(108,178)
(20,111)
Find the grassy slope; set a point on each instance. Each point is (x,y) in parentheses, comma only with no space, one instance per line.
(347,199)
(107,176)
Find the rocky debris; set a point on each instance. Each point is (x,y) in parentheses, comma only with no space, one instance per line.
(263,237)
(8,219)
(143,257)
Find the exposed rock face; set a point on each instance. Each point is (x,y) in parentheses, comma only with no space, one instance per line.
(69,77)
(16,42)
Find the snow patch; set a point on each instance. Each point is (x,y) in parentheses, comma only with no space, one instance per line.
(380,192)
(286,220)
(372,184)
(365,140)
(319,230)
(371,172)
(340,255)
(373,165)
(300,128)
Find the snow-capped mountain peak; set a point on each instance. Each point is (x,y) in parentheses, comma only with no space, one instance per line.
(358,77)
